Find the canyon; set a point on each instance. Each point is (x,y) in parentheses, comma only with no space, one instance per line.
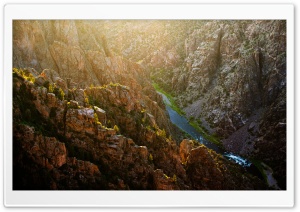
(87,113)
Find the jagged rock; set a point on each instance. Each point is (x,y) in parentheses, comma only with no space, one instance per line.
(73,104)
(61,84)
(45,151)
(163,182)
(101,114)
(151,119)
(84,166)
(198,161)
(51,99)
(40,81)
(185,149)
(80,97)
(49,75)
(80,121)
(143,151)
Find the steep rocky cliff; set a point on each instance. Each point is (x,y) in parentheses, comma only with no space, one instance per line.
(86,115)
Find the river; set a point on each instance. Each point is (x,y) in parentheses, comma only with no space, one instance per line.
(183,124)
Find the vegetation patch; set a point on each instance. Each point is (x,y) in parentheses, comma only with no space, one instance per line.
(25,74)
(212,138)
(259,166)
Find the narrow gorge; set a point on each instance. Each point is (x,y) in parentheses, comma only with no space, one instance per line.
(149,105)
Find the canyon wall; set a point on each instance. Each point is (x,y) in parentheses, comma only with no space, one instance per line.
(228,76)
(86,115)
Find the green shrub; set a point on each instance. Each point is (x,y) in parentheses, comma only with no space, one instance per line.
(25,74)
(116,128)
(59,93)
(96,118)
(161,133)
(51,88)
(174,178)
(86,101)
(150,157)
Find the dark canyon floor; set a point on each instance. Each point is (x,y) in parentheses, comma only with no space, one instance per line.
(87,114)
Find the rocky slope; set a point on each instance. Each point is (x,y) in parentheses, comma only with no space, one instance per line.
(81,60)
(87,117)
(68,144)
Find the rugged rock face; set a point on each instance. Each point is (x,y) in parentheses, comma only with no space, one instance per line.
(242,74)
(60,144)
(64,56)
(242,70)
(45,151)
(82,136)
(87,117)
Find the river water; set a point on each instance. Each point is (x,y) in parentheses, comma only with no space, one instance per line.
(184,125)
